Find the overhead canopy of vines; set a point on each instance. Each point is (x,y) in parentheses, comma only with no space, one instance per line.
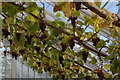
(63,49)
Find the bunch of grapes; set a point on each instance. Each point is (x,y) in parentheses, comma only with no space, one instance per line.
(64,46)
(42,26)
(18,36)
(39,64)
(25,43)
(22,51)
(43,37)
(44,42)
(100,74)
(71,43)
(85,55)
(88,77)
(29,38)
(79,28)
(14,54)
(37,48)
(26,58)
(4,52)
(77,5)
(49,69)
(95,40)
(61,74)
(5,32)
(61,60)
(10,41)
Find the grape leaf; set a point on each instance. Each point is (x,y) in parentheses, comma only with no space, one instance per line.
(107,66)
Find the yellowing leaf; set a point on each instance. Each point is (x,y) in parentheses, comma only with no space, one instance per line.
(94,18)
(107,66)
(105,25)
(59,6)
(96,28)
(65,56)
(75,67)
(65,7)
(82,37)
(35,13)
(31,18)
(67,10)
(97,4)
(58,14)
(117,29)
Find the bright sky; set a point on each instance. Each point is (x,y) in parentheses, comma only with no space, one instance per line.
(112,7)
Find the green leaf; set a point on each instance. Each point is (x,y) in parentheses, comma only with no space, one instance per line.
(66,63)
(76,13)
(34,28)
(113,69)
(30,18)
(79,54)
(61,24)
(22,40)
(54,32)
(11,29)
(40,70)
(10,20)
(96,28)
(101,44)
(94,60)
(81,75)
(88,34)
(54,41)
(68,49)
(88,20)
(30,62)
(54,53)
(80,22)
(115,65)
(114,54)
(32,7)
(58,14)
(114,32)
(47,49)
(9,9)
